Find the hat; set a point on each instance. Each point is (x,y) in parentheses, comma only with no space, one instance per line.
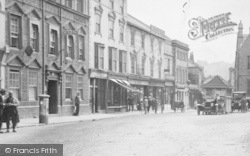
(2,90)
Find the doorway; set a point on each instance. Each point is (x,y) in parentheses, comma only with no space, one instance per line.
(52,92)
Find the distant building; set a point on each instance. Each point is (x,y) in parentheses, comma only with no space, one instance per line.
(216,85)
(196,78)
(242,61)
(232,78)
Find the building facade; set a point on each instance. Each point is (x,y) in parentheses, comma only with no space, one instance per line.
(180,51)
(47,52)
(242,61)
(168,70)
(108,56)
(145,45)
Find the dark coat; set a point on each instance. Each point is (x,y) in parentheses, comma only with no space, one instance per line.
(10,111)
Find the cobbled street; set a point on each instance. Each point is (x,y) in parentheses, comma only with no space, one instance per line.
(142,135)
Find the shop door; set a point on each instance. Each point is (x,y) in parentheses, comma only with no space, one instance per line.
(52,92)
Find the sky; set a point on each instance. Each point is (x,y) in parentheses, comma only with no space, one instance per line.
(173,16)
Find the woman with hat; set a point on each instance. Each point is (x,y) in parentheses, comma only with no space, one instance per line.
(11,112)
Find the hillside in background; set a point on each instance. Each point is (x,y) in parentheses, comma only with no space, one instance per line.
(216,68)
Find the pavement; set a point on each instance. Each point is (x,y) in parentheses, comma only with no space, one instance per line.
(29,122)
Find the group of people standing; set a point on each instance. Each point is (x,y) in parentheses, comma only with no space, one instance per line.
(144,104)
(8,110)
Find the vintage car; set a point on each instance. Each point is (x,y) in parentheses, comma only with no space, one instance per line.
(236,101)
(209,107)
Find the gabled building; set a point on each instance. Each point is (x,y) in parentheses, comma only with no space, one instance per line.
(242,61)
(216,85)
(47,52)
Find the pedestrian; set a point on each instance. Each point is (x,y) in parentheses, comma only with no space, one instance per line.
(182,106)
(155,105)
(146,104)
(195,104)
(130,103)
(162,106)
(11,112)
(149,102)
(2,93)
(77,104)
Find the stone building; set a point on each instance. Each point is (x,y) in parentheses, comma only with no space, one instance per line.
(47,52)
(145,45)
(242,61)
(180,51)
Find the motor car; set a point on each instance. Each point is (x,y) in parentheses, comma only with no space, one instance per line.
(236,101)
(210,107)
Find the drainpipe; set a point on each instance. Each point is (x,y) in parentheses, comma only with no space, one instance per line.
(61,57)
(43,52)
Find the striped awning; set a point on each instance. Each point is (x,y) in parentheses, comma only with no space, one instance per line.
(125,85)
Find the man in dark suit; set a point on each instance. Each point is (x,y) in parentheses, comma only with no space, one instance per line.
(2,93)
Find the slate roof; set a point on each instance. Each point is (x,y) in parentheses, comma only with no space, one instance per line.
(217,82)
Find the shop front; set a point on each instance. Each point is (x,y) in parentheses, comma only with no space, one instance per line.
(156,89)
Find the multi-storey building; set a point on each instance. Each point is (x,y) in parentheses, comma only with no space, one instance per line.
(195,78)
(2,42)
(108,56)
(168,70)
(47,52)
(145,45)
(180,51)
(242,61)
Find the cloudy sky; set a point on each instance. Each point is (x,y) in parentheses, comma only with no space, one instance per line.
(173,18)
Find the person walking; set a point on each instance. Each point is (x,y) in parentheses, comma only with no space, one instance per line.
(162,106)
(149,102)
(155,105)
(77,104)
(146,104)
(11,112)
(2,93)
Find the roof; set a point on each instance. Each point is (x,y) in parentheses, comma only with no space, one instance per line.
(216,82)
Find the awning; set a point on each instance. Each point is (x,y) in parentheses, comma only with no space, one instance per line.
(125,85)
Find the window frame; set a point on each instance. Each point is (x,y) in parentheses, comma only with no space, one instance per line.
(15,34)
(97,23)
(35,83)
(53,39)
(81,53)
(80,85)
(15,81)
(35,38)
(68,85)
(111,28)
